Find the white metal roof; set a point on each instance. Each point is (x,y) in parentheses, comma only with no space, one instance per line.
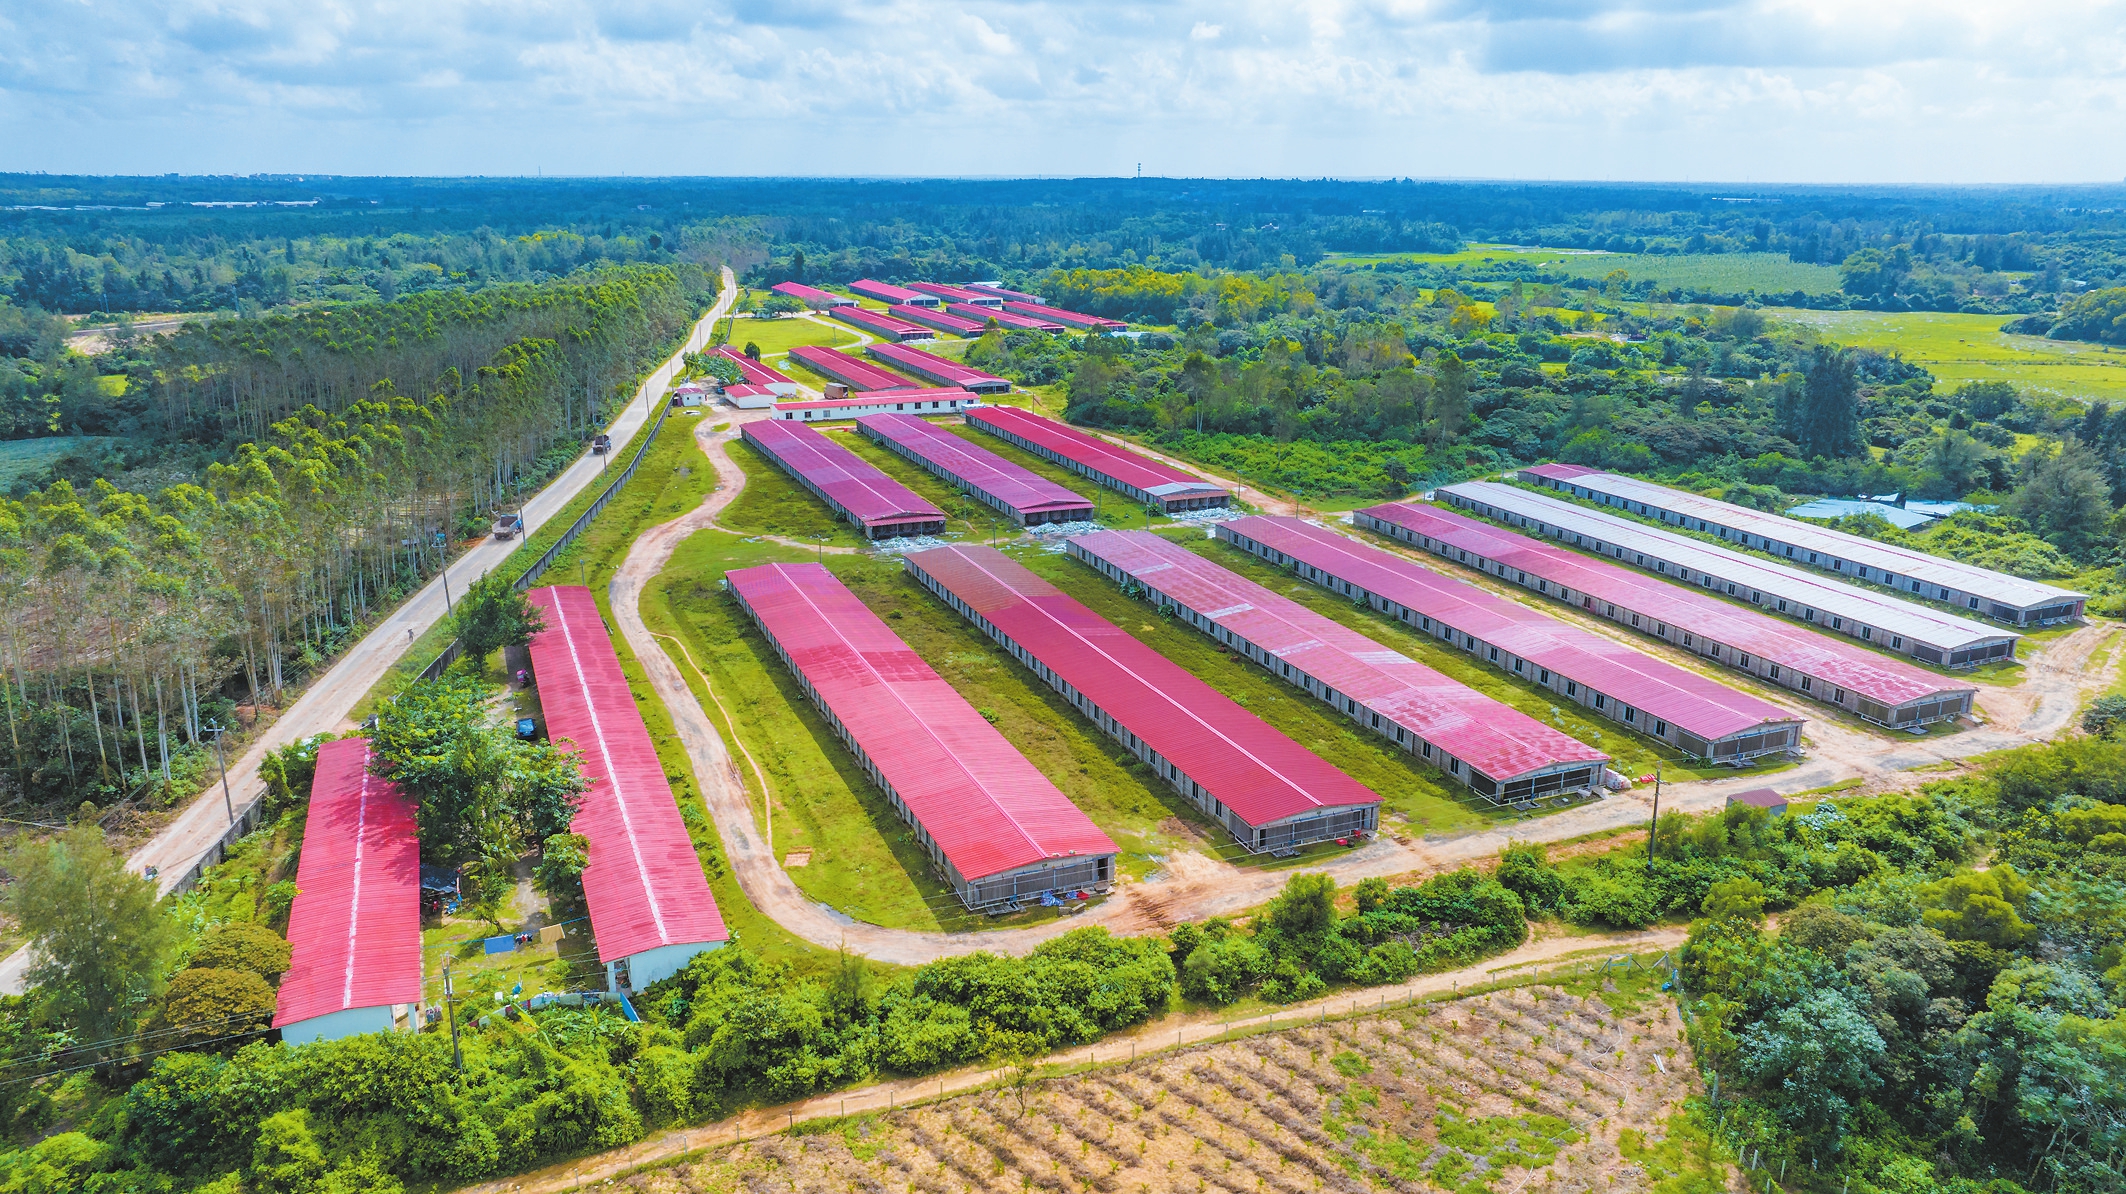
(1902,561)
(1827,596)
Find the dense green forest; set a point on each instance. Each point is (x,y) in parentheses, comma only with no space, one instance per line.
(271,482)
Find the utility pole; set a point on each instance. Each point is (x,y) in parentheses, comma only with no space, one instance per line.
(228,802)
(450,1010)
(446,585)
(1653,831)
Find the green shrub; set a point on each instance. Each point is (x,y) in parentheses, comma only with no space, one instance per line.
(243,945)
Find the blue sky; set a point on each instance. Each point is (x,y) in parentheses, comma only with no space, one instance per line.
(1767,90)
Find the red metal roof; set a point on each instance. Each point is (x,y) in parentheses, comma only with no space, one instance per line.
(959,294)
(644,883)
(988,809)
(856,488)
(939,369)
(356,922)
(932,317)
(1000,292)
(754,372)
(1076,319)
(812,296)
(972,466)
(850,371)
(882,323)
(1679,696)
(1491,736)
(1256,771)
(1877,677)
(1104,459)
(887,292)
(1009,319)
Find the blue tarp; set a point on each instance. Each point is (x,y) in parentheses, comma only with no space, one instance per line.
(1828,508)
(500,945)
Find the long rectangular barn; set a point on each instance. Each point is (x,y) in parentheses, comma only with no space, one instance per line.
(876,504)
(1005,319)
(1983,591)
(854,372)
(1695,714)
(995,826)
(931,367)
(926,402)
(883,324)
(887,292)
(1822,668)
(812,296)
(958,294)
(1142,478)
(1269,792)
(650,905)
(755,373)
(1499,752)
(932,317)
(1942,639)
(1024,496)
(355,926)
(1076,319)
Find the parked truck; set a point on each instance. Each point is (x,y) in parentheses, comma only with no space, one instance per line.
(508,526)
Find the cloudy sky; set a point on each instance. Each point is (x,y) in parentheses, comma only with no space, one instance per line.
(1760,90)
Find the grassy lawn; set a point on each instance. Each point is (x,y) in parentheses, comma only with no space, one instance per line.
(1635,753)
(778,336)
(26,459)
(1731,273)
(773,504)
(1958,348)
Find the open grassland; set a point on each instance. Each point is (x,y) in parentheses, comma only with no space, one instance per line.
(778,336)
(1724,273)
(1634,753)
(1541,1089)
(27,459)
(1959,348)
(773,504)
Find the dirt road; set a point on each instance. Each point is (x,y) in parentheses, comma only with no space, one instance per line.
(326,703)
(1169,1032)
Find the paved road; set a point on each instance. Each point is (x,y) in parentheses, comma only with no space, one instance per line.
(327,702)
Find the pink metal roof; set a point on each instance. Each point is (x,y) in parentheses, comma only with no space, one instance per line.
(973,466)
(755,373)
(1009,319)
(882,323)
(871,398)
(1491,736)
(1103,458)
(1000,292)
(939,369)
(932,317)
(1256,771)
(356,920)
(644,883)
(858,490)
(988,809)
(959,294)
(1562,472)
(1679,696)
(1877,677)
(887,292)
(812,296)
(1076,319)
(853,372)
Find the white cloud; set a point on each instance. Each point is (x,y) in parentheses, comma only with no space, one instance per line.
(1892,90)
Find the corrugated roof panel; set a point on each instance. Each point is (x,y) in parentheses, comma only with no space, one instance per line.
(644,884)
(853,372)
(1022,490)
(887,292)
(1059,315)
(1495,738)
(938,369)
(1901,561)
(1809,590)
(882,323)
(1103,458)
(936,318)
(1253,769)
(355,926)
(958,294)
(987,808)
(863,492)
(1008,319)
(1684,698)
(754,372)
(1880,679)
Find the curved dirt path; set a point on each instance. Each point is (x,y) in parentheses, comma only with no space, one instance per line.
(1193,885)
(1166,1033)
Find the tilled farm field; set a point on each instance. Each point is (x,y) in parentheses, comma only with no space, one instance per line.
(1523,1090)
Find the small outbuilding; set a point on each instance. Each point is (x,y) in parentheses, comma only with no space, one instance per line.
(1771,802)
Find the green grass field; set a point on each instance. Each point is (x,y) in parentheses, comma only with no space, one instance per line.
(27,459)
(1960,348)
(1728,273)
(778,336)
